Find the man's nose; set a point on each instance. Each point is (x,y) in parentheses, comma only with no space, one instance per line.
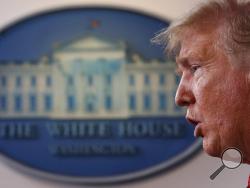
(184,95)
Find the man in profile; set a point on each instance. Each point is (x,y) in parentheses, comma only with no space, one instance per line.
(211,47)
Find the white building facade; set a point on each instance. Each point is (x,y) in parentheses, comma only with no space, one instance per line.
(85,79)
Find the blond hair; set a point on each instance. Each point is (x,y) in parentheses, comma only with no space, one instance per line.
(230,19)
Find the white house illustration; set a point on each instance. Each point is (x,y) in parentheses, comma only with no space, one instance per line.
(88,78)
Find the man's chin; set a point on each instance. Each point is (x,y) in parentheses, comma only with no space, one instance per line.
(211,149)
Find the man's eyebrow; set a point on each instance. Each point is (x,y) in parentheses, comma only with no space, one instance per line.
(180,62)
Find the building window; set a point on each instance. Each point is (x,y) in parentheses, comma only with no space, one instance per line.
(146,79)
(108,102)
(132,102)
(48,81)
(108,79)
(131,80)
(3,81)
(33,81)
(90,102)
(70,80)
(48,102)
(18,103)
(90,107)
(18,81)
(71,103)
(147,102)
(162,101)
(177,79)
(3,103)
(162,79)
(32,103)
(90,80)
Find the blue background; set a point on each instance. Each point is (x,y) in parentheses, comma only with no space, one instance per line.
(34,37)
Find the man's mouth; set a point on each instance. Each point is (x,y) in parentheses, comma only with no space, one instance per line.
(197,126)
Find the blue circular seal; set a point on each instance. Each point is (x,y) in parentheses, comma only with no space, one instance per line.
(85,97)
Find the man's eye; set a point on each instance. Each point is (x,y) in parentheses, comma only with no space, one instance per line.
(194,68)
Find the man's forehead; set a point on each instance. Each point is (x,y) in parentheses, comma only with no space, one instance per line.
(185,55)
(200,48)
